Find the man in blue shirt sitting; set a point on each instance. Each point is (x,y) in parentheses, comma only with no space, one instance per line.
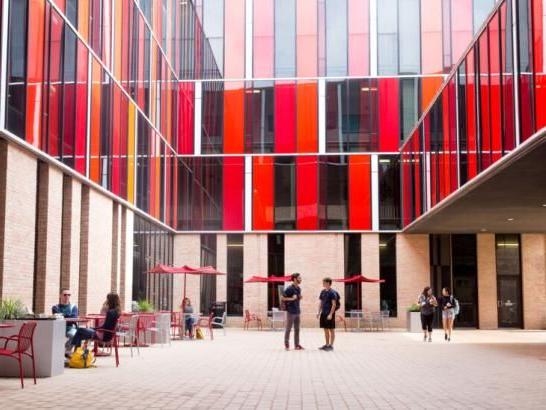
(292,297)
(68,310)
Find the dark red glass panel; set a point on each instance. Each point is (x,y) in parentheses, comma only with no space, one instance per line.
(389,118)
(285,117)
(360,199)
(234,193)
(307,192)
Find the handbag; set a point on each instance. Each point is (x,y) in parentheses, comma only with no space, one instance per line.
(82,358)
(199,334)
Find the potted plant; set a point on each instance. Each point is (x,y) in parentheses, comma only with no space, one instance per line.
(414,318)
(11,309)
(145,306)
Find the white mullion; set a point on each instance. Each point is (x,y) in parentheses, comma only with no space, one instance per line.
(3,63)
(375,192)
(249,31)
(248,193)
(197,118)
(322,115)
(373,37)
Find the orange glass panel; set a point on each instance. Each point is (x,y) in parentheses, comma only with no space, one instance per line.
(429,87)
(234,118)
(307,117)
(94,160)
(35,66)
(83,18)
(131,154)
(234,39)
(431,36)
(306,42)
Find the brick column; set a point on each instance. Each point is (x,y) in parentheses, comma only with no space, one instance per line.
(487,281)
(48,237)
(370,268)
(315,256)
(115,247)
(70,250)
(412,271)
(126,255)
(84,251)
(533,269)
(255,263)
(187,251)
(221,262)
(18,172)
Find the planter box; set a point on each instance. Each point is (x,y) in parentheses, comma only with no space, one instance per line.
(49,340)
(414,322)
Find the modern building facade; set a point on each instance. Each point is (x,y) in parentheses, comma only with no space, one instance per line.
(327,137)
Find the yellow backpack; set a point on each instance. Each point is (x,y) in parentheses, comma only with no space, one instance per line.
(199,334)
(82,358)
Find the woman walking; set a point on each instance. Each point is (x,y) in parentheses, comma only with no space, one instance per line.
(428,302)
(447,305)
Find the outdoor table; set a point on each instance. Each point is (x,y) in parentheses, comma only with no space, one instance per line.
(356,316)
(76,320)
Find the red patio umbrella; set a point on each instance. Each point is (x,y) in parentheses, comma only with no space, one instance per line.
(269,279)
(359,279)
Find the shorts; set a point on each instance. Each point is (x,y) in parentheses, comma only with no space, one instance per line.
(327,324)
(426,321)
(448,314)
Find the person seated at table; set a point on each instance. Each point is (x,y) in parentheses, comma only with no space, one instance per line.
(189,320)
(68,310)
(110,323)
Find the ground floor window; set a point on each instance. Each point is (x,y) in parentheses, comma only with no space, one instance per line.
(508,258)
(208,282)
(275,267)
(387,272)
(235,249)
(353,266)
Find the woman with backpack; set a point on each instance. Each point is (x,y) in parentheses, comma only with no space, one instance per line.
(427,302)
(448,306)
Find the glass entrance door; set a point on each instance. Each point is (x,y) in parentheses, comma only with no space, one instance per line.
(509,300)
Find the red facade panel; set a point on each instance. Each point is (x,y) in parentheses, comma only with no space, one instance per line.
(262,193)
(307,117)
(360,198)
(234,118)
(285,117)
(389,125)
(307,192)
(234,193)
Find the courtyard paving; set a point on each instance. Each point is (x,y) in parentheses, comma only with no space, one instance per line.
(248,370)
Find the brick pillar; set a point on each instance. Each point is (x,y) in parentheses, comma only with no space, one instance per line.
(221,262)
(255,263)
(48,237)
(128,233)
(84,251)
(533,269)
(370,268)
(115,247)
(18,172)
(412,271)
(123,257)
(187,251)
(487,281)
(70,250)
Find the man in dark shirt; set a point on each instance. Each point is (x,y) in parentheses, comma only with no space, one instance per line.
(327,308)
(292,297)
(68,310)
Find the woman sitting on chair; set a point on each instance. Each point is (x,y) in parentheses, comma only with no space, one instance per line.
(187,310)
(105,331)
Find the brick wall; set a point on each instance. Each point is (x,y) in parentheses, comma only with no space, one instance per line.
(70,250)
(187,251)
(370,269)
(487,281)
(18,171)
(116,247)
(533,257)
(48,237)
(221,265)
(255,263)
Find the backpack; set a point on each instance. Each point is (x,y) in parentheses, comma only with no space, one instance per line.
(338,300)
(82,358)
(457,307)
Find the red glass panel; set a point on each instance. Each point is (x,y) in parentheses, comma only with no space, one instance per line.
(94,160)
(359,37)
(306,42)
(360,212)
(307,113)
(55,85)
(285,117)
(485,104)
(307,192)
(263,42)
(35,67)
(234,193)
(495,89)
(234,39)
(453,166)
(81,107)
(262,193)
(431,36)
(185,118)
(234,118)
(539,64)
(471,116)
(417,153)
(443,155)
(389,121)
(509,137)
(406,186)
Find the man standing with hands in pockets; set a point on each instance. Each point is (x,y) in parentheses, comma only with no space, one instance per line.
(328,305)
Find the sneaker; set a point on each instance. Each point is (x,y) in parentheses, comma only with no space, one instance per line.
(445,336)
(287,347)
(325,347)
(430,339)
(449,339)
(330,348)
(299,347)
(424,338)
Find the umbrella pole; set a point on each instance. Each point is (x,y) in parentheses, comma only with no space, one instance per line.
(182,315)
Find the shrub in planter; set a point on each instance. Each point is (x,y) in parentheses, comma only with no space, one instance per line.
(11,309)
(145,306)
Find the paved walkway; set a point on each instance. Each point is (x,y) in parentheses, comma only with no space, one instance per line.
(391,370)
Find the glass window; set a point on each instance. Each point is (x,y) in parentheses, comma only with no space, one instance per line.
(259,117)
(212,117)
(387,272)
(285,193)
(481,10)
(409,100)
(410,37)
(333,192)
(208,282)
(387,37)
(285,38)
(16,95)
(353,266)
(275,267)
(389,192)
(69,97)
(336,38)
(235,249)
(213,26)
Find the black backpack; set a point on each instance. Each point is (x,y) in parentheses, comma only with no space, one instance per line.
(338,300)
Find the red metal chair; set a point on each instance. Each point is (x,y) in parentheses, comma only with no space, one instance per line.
(24,341)
(249,317)
(113,343)
(146,324)
(176,324)
(341,319)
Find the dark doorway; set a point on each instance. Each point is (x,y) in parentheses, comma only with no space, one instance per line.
(509,300)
